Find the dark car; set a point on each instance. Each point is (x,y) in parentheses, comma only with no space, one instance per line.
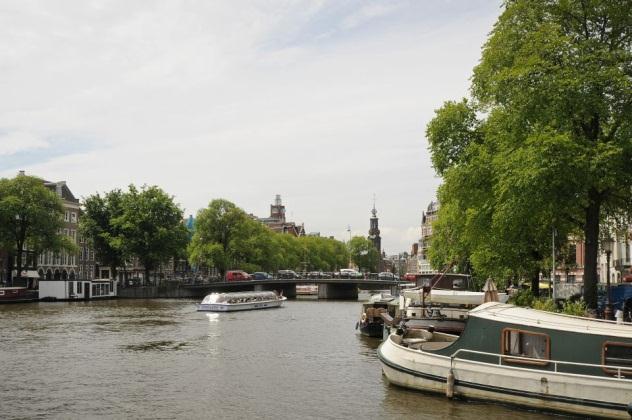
(287,274)
(261,275)
(386,276)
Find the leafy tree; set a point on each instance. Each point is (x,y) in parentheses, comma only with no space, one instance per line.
(98,228)
(150,227)
(364,254)
(31,217)
(551,117)
(217,227)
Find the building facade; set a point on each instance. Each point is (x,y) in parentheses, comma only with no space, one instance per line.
(277,221)
(64,265)
(427,218)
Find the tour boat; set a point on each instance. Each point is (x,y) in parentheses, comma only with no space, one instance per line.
(240,301)
(520,356)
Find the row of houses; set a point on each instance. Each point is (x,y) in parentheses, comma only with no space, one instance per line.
(79,274)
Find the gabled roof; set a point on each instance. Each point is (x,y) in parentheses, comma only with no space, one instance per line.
(502,312)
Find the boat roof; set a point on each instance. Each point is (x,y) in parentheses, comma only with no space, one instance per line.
(245,294)
(503,312)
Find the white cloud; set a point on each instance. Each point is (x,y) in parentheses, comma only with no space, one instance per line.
(20,141)
(244,100)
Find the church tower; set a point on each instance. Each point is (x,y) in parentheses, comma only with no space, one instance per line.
(374,231)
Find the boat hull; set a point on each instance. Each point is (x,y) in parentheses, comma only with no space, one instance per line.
(372,329)
(544,390)
(247,306)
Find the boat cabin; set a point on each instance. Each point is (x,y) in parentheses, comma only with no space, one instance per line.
(525,337)
(77,289)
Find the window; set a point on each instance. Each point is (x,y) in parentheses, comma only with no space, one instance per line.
(79,287)
(617,354)
(66,216)
(526,344)
(73,217)
(71,288)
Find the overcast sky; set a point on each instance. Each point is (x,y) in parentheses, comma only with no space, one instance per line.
(323,102)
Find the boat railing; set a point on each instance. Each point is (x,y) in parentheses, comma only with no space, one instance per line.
(531,360)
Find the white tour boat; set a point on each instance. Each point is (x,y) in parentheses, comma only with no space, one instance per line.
(240,301)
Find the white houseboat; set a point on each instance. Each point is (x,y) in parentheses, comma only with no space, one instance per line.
(77,289)
(240,301)
(521,356)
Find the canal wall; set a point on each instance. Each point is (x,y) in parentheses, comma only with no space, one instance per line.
(160,292)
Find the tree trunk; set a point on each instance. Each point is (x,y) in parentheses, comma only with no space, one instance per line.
(146,275)
(535,283)
(591,249)
(19,262)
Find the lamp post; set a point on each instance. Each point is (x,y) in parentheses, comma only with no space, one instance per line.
(607,247)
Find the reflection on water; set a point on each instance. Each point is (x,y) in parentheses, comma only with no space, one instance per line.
(163,359)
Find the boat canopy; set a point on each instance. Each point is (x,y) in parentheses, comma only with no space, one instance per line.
(239,296)
(502,312)
(452,297)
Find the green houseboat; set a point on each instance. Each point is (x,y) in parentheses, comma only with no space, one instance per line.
(522,356)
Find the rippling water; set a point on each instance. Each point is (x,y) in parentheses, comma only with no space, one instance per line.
(162,359)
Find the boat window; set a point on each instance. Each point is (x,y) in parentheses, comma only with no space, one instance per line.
(526,344)
(617,354)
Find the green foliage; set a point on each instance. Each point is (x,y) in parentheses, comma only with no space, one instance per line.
(96,225)
(31,217)
(524,297)
(227,238)
(144,223)
(577,308)
(544,143)
(544,304)
(364,254)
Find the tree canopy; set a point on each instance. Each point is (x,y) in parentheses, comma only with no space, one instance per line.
(364,254)
(227,238)
(144,223)
(98,227)
(31,218)
(544,143)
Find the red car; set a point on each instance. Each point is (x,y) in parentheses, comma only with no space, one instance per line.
(237,275)
(410,277)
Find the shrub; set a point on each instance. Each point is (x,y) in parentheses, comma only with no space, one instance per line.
(577,308)
(544,304)
(523,297)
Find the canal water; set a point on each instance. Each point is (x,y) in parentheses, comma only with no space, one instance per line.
(161,359)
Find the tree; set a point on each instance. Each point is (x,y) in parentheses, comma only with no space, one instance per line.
(97,227)
(150,227)
(552,118)
(364,254)
(217,228)
(31,217)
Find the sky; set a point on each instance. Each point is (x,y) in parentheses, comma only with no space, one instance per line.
(324,102)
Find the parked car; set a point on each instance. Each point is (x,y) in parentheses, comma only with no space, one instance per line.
(410,277)
(287,274)
(385,275)
(261,275)
(315,275)
(237,275)
(348,273)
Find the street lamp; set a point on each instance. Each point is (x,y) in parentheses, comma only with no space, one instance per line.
(607,246)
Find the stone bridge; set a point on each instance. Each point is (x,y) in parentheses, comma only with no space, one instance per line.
(327,288)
